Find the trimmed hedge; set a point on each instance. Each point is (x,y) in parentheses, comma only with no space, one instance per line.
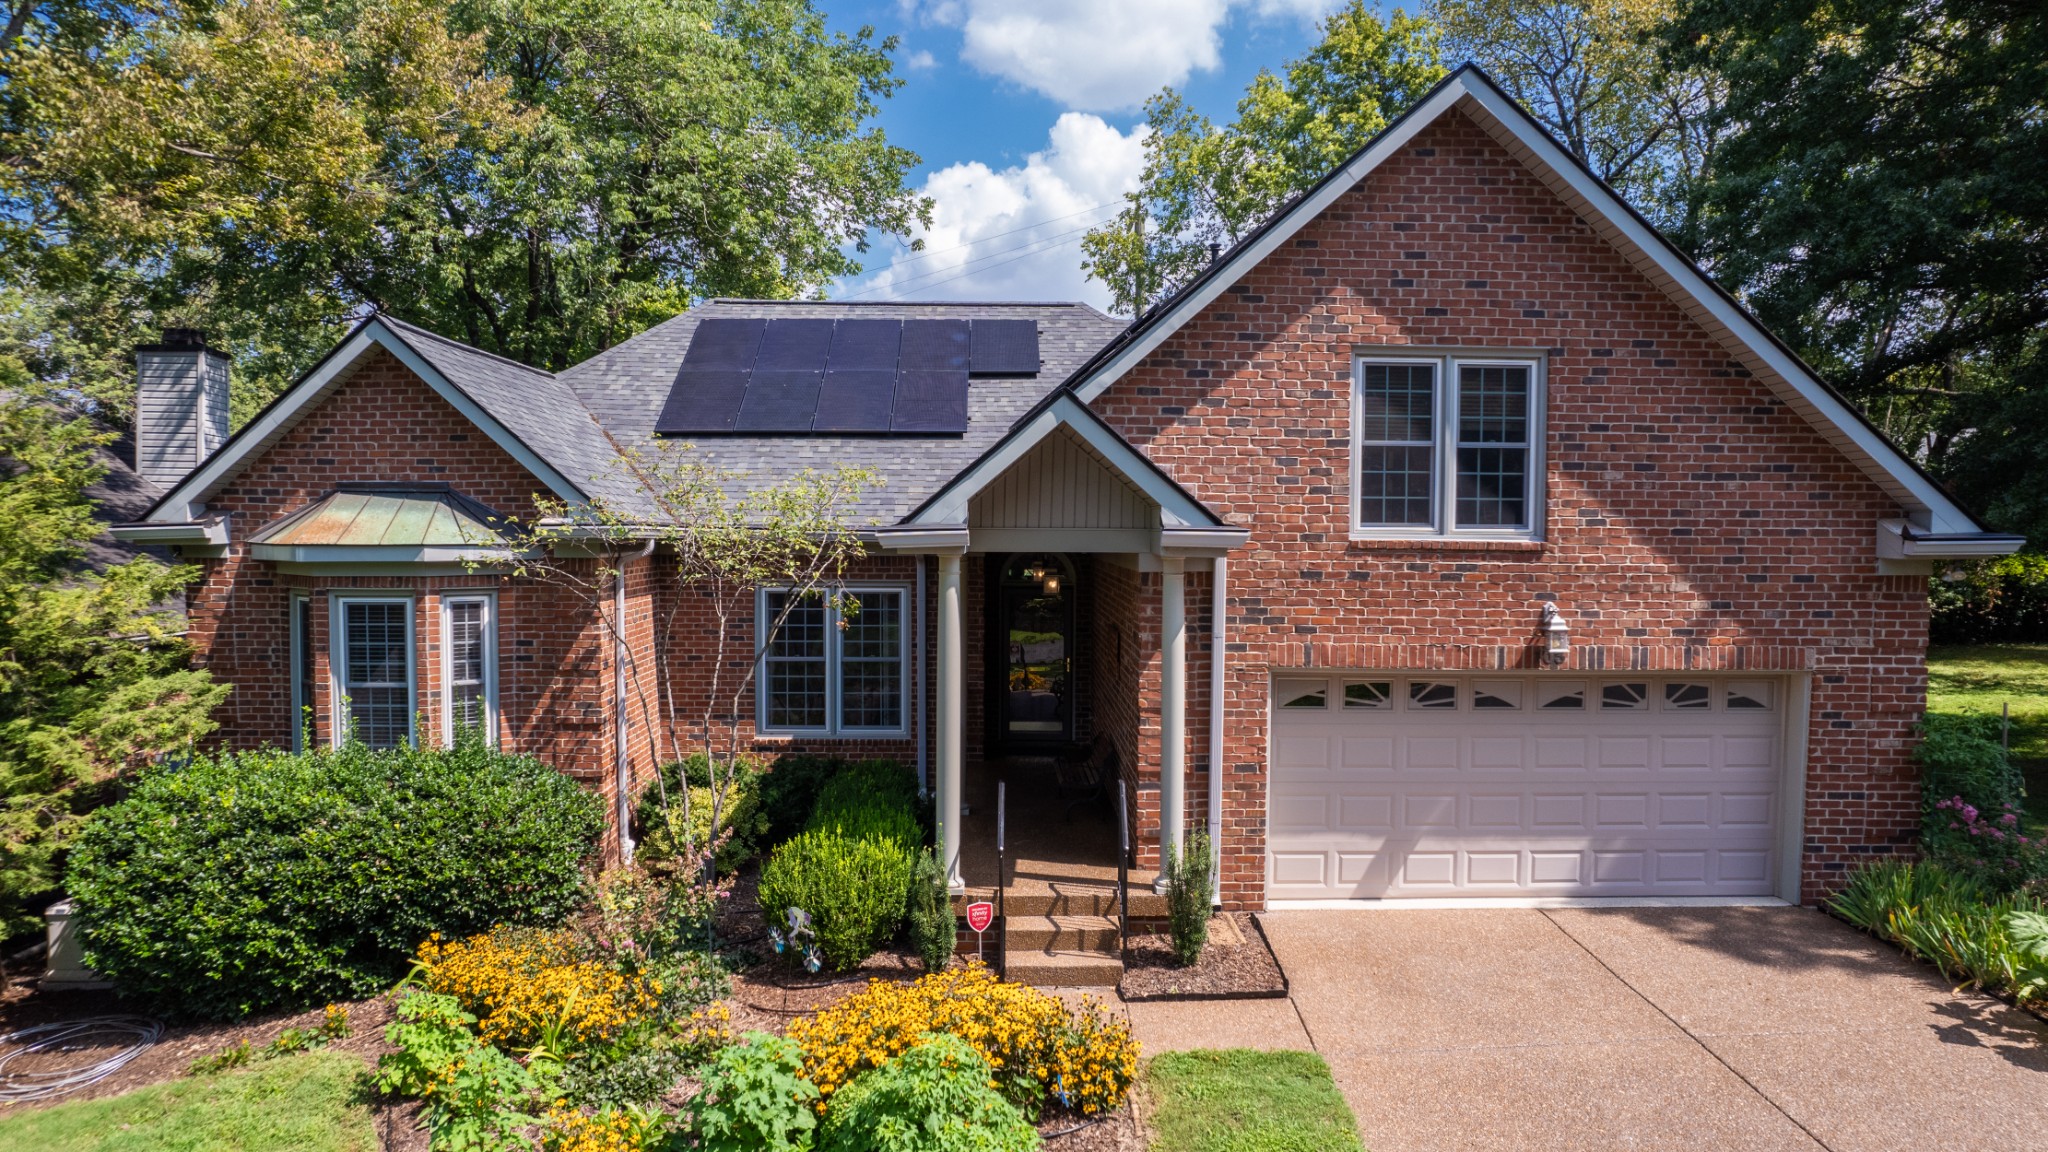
(854,888)
(265,880)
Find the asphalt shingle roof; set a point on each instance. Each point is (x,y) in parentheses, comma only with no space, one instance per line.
(626,386)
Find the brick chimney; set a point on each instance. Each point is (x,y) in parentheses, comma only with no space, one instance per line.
(181,405)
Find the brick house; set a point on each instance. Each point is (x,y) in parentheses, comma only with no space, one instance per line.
(1451,536)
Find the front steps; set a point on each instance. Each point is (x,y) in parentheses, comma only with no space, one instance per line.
(1061,933)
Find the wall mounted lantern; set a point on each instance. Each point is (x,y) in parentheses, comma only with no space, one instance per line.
(1557,637)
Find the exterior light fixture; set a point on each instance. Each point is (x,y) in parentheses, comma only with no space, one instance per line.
(1557,637)
(1052,585)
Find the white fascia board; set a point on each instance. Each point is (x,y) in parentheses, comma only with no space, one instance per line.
(1901,540)
(1863,444)
(1176,508)
(185,502)
(923,538)
(378,554)
(1282,231)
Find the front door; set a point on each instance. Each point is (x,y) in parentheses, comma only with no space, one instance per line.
(1033,610)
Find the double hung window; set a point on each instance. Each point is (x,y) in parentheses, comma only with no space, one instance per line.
(372,661)
(1446,446)
(837,664)
(305,685)
(469,678)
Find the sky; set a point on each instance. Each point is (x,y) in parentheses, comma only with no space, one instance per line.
(1028,115)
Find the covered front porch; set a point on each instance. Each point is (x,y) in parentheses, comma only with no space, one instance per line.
(1065,567)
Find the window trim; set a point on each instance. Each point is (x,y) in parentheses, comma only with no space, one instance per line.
(301,647)
(833,667)
(1444,474)
(490,659)
(337,669)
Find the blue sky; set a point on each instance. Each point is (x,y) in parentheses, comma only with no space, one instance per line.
(1028,119)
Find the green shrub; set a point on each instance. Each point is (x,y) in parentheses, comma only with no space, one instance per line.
(854,889)
(887,782)
(1972,803)
(755,1099)
(264,880)
(2001,601)
(476,1096)
(933,1098)
(638,1069)
(740,810)
(934,930)
(1188,891)
(789,793)
(1958,922)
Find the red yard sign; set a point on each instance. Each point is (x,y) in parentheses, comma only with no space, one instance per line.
(980,916)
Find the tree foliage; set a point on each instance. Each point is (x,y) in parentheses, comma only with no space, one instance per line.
(1207,185)
(93,675)
(542,178)
(1881,200)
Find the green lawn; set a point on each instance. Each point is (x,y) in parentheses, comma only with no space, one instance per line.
(306,1103)
(1986,678)
(1238,1100)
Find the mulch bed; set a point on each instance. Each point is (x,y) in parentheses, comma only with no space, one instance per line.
(1237,963)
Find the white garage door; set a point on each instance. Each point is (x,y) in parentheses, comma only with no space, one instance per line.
(1550,785)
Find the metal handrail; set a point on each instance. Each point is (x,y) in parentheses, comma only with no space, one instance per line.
(1002,882)
(1123,870)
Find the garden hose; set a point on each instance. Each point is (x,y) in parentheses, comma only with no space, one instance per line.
(134,1035)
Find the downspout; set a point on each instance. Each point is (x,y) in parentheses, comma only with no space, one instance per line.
(1219,621)
(622,778)
(917,664)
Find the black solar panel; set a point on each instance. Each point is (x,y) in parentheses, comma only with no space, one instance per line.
(856,402)
(723,343)
(794,346)
(1005,348)
(703,402)
(865,345)
(930,402)
(780,402)
(937,345)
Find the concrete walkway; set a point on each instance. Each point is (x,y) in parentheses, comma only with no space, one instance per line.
(1665,1028)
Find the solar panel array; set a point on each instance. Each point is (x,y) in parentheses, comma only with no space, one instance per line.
(745,377)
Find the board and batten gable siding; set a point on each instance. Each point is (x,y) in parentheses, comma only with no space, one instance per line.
(1692,520)
(1064,487)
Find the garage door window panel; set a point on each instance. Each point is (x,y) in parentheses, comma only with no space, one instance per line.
(1369,694)
(1431,695)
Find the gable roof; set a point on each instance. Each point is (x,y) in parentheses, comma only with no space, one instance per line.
(527,412)
(1472,93)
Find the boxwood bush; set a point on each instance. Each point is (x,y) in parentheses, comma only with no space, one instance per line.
(855,889)
(265,880)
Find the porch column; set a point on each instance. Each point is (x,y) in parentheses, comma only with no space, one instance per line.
(1173,712)
(951,719)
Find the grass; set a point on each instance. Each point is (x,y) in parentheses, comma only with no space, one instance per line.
(308,1103)
(1238,1100)
(1987,677)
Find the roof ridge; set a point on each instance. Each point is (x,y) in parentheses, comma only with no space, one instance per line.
(472,349)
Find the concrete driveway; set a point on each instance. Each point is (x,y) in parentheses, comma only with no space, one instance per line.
(1641,1028)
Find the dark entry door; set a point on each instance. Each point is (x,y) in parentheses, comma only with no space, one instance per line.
(1035,632)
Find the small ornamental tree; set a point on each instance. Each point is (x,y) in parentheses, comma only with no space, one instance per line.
(722,538)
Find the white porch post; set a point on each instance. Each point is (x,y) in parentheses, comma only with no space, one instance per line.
(951,719)
(1173,712)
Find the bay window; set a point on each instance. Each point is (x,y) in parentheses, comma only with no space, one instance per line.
(469,679)
(372,659)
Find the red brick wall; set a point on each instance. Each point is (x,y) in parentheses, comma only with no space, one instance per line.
(382,423)
(1693,520)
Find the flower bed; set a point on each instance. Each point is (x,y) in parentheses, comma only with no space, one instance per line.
(1959,923)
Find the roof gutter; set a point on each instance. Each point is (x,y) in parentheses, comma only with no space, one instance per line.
(1899,540)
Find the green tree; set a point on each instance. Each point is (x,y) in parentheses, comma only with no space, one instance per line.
(93,670)
(542,178)
(1881,200)
(1590,71)
(1205,185)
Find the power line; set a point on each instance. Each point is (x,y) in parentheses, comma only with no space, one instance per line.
(1049,243)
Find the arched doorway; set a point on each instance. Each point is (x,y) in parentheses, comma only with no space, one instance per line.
(1032,652)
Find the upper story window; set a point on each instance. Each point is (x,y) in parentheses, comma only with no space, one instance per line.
(837,666)
(1447,445)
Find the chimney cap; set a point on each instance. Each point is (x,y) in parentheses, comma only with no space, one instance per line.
(180,340)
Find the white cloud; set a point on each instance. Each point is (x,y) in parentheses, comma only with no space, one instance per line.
(1100,54)
(1015,233)
(921,61)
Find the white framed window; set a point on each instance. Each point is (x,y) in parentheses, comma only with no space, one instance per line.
(839,665)
(370,655)
(305,683)
(1446,445)
(469,665)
